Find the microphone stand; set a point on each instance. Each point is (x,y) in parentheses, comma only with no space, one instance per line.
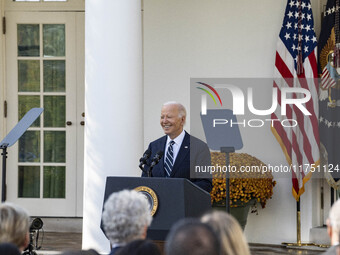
(4,157)
(154,162)
(150,171)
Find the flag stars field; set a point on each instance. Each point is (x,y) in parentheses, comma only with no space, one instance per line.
(328,123)
(289,25)
(299,23)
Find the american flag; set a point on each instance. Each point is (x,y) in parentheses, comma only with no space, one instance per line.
(296,66)
(327,81)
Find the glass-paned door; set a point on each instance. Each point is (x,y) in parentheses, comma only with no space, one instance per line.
(42,72)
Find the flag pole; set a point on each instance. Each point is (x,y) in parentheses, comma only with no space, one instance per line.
(298,223)
(298,230)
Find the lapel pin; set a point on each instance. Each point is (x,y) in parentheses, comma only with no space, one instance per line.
(186,147)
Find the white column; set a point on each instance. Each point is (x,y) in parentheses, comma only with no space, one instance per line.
(113,104)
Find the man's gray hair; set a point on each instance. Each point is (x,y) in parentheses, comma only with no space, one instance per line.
(126,214)
(181,109)
(14,224)
(334,216)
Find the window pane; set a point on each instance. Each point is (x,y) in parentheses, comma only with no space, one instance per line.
(28,40)
(55,111)
(54,182)
(54,75)
(26,103)
(29,147)
(29,181)
(54,40)
(54,146)
(28,75)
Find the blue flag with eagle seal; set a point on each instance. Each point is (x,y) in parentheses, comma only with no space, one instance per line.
(329,94)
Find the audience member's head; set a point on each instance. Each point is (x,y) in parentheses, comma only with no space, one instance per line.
(192,237)
(333,223)
(9,249)
(126,216)
(87,252)
(140,247)
(230,233)
(14,225)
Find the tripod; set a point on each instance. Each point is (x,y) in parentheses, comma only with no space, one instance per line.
(30,250)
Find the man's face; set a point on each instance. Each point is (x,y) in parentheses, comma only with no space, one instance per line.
(170,121)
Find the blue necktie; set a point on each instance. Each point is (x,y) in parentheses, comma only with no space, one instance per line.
(169,160)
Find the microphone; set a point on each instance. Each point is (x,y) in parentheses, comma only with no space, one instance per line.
(146,155)
(142,160)
(156,159)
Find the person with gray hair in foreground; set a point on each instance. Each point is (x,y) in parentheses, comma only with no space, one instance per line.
(126,217)
(191,237)
(333,228)
(14,225)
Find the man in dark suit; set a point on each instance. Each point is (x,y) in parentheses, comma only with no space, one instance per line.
(183,154)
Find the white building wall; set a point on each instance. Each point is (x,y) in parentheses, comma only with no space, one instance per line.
(227,39)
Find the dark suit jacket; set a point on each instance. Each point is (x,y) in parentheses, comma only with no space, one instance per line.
(193,152)
(115,250)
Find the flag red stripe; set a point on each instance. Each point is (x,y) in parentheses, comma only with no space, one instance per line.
(281,67)
(283,135)
(313,63)
(300,120)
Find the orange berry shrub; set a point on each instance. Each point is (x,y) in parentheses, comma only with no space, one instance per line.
(247,180)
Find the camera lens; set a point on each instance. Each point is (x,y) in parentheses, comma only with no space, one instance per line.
(36,224)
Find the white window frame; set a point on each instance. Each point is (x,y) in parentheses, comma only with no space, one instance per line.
(74,5)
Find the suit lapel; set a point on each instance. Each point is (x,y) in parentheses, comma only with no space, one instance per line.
(182,153)
(161,162)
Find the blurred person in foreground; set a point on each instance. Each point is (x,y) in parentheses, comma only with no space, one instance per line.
(140,247)
(9,249)
(126,217)
(14,225)
(232,239)
(191,237)
(333,228)
(87,252)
